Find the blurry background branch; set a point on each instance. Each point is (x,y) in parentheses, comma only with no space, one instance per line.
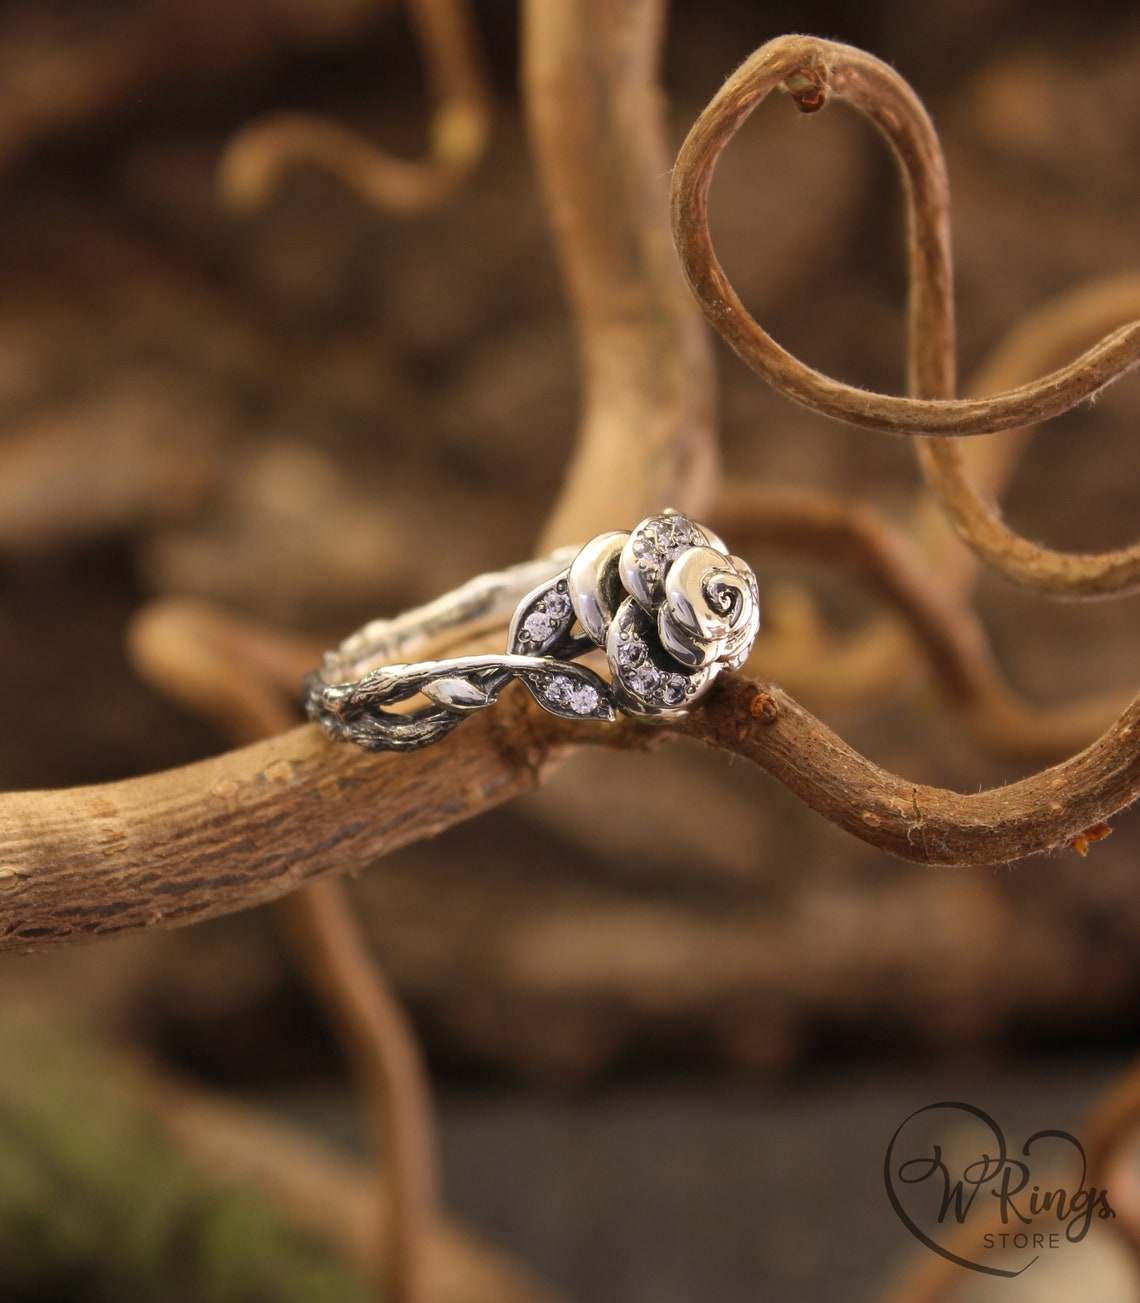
(256,162)
(68,66)
(646,435)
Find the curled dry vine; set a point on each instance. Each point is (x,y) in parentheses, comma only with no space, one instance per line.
(257,160)
(876,661)
(813,71)
(257,822)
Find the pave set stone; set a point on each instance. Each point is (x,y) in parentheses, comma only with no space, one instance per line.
(660,541)
(549,614)
(637,671)
(582,698)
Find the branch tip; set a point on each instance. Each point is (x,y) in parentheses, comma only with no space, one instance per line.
(807,88)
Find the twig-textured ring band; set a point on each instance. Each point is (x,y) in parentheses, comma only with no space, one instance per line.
(667,603)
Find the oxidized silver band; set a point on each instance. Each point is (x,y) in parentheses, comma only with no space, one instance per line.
(667,603)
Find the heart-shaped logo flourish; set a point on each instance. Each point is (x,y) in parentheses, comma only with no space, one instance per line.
(956,1186)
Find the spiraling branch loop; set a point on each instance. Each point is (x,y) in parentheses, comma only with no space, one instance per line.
(813,71)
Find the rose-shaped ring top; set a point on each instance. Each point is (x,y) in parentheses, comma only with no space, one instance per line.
(671,606)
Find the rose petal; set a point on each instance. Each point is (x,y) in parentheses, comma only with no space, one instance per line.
(649,552)
(739,643)
(647,680)
(690,585)
(595,583)
(682,644)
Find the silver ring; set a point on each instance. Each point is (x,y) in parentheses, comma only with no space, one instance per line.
(667,603)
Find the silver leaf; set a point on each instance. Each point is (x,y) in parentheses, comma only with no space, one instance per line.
(457,694)
(542,621)
(571,691)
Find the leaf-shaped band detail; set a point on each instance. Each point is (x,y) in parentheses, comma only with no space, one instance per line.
(572,691)
(541,625)
(362,712)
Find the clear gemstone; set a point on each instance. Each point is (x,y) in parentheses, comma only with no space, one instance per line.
(645,681)
(631,654)
(673,693)
(584,698)
(538,626)
(660,542)
(557,605)
(558,691)
(674,538)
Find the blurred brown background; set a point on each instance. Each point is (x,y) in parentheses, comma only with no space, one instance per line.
(320,413)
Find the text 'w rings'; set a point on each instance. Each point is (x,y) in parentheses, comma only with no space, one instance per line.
(667,603)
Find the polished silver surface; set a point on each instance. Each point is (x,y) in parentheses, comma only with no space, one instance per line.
(667,603)
(595,583)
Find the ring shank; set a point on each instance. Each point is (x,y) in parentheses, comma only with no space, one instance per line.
(481,602)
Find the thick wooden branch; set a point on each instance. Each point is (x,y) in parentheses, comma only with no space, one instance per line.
(595,115)
(928,825)
(243,828)
(252,825)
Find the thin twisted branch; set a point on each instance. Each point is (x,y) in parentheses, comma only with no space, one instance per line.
(927,825)
(1042,340)
(966,486)
(857,537)
(258,158)
(1069,574)
(813,71)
